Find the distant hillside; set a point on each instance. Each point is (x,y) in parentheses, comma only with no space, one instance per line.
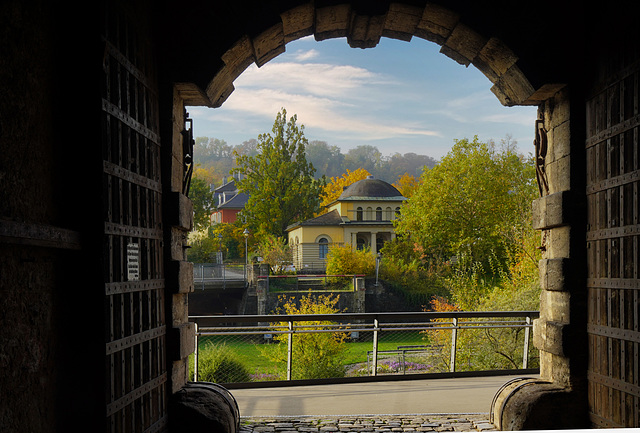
(216,157)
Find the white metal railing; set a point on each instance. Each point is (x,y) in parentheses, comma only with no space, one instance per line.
(217,274)
(375,323)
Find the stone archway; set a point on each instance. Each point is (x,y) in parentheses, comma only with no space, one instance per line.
(400,21)
(511,86)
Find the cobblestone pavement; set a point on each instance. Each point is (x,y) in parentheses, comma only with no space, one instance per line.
(368,423)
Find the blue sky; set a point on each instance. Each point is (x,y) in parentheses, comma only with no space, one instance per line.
(400,97)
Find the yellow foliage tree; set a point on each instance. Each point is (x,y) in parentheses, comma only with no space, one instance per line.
(343,260)
(407,184)
(316,355)
(336,185)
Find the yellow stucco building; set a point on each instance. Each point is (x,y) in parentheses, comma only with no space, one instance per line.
(361,217)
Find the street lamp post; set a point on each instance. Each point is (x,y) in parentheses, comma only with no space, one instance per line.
(378,260)
(246,255)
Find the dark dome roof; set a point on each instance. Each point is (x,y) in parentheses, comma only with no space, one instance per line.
(371,188)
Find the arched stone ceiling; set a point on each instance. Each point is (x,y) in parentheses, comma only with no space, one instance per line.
(400,21)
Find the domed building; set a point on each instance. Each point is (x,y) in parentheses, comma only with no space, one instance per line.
(361,217)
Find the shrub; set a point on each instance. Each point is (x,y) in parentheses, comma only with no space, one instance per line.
(315,355)
(342,260)
(220,364)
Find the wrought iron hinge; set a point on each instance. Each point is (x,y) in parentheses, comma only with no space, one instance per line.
(540,144)
(187,153)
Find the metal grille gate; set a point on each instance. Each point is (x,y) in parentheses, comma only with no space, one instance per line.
(136,394)
(613,243)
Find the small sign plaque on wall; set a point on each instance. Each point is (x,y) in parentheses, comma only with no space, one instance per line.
(133,262)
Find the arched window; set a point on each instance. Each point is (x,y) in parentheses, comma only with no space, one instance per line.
(388,213)
(323,248)
(359,214)
(378,214)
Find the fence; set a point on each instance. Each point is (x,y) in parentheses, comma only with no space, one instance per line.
(306,282)
(205,274)
(246,350)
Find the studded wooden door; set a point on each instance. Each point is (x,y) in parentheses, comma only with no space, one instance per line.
(613,242)
(136,394)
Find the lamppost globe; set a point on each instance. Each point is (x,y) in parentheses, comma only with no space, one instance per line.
(246,255)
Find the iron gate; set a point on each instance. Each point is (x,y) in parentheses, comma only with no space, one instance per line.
(133,272)
(613,241)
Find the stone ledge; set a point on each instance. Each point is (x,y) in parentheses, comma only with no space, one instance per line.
(551,210)
(181,341)
(179,277)
(180,211)
(553,337)
(554,274)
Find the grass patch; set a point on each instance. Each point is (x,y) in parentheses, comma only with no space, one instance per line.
(254,355)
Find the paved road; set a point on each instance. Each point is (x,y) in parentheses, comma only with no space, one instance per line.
(430,396)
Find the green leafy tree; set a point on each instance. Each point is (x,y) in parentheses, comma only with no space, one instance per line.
(203,203)
(230,239)
(364,156)
(274,252)
(475,204)
(279,180)
(328,160)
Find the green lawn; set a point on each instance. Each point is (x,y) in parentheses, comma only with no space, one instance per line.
(254,354)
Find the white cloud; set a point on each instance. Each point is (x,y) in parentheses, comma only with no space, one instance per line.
(319,113)
(335,98)
(304,55)
(315,78)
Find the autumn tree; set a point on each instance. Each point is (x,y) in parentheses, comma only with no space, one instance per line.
(279,180)
(407,184)
(317,355)
(332,190)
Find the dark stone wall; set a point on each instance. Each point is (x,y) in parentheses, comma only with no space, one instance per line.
(50,367)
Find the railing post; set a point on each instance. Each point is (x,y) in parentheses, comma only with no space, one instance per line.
(290,350)
(525,353)
(454,344)
(195,356)
(374,367)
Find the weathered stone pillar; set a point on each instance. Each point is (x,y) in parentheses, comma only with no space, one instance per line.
(179,273)
(557,400)
(262,288)
(359,294)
